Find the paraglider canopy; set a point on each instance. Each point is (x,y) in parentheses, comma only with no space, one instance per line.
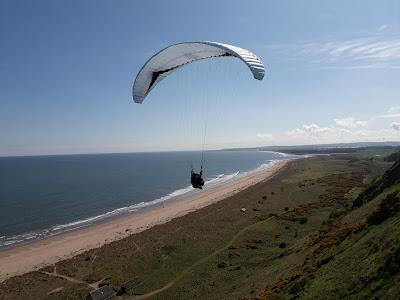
(175,56)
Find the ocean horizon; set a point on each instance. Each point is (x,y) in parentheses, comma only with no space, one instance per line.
(41,196)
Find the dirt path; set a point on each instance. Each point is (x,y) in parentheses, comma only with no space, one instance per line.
(94,285)
(70,279)
(204,259)
(197,263)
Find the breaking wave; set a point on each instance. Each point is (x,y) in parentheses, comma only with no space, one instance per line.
(8,242)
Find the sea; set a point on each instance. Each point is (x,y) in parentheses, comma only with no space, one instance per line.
(41,196)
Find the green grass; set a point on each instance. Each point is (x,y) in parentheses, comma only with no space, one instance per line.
(219,252)
(374,154)
(353,273)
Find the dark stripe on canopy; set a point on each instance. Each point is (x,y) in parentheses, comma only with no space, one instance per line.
(155,75)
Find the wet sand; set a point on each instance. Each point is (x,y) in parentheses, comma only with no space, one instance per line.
(33,256)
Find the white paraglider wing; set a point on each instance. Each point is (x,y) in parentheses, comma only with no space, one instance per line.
(175,56)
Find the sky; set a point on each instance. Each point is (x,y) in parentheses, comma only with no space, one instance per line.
(67,68)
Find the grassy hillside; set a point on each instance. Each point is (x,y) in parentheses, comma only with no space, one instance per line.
(361,259)
(301,237)
(393,157)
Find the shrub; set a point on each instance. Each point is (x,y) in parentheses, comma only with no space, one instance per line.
(391,267)
(387,208)
(393,157)
(337,214)
(391,177)
(168,249)
(303,220)
(298,285)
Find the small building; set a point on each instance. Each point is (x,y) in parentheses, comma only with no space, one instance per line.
(130,285)
(104,293)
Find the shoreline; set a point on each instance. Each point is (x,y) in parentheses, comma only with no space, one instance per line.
(35,255)
(28,237)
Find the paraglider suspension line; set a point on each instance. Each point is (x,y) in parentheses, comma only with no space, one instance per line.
(204,141)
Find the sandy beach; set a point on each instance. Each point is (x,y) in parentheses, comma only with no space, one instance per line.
(33,256)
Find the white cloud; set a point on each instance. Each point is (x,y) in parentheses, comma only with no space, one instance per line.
(350,122)
(266,137)
(363,49)
(309,131)
(316,134)
(361,53)
(342,131)
(393,112)
(383,27)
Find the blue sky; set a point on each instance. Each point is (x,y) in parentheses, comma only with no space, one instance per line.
(67,67)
